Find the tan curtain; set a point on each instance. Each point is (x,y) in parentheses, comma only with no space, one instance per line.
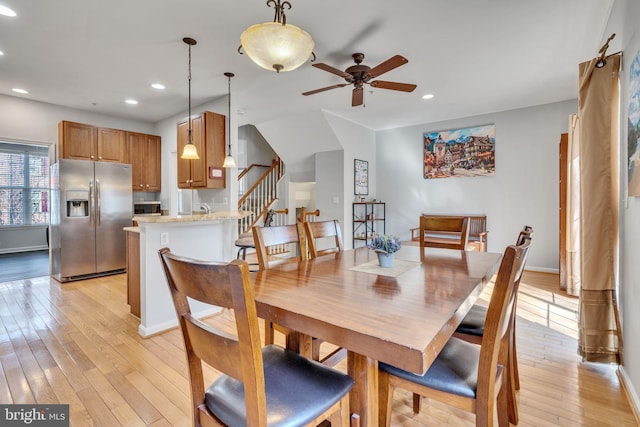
(599,337)
(572,258)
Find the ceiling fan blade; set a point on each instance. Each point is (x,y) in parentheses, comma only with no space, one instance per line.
(388,65)
(311,92)
(358,97)
(404,87)
(333,70)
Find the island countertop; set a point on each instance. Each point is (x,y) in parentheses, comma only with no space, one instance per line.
(213,216)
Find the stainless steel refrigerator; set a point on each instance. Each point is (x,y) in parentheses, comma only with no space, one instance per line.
(91,202)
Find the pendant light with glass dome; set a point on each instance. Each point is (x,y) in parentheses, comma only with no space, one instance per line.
(229,161)
(190,152)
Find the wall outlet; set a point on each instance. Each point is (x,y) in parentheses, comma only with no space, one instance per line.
(336,200)
(164,238)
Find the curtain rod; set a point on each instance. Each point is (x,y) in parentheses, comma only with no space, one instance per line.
(603,52)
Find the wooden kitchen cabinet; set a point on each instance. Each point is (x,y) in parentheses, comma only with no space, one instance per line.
(145,157)
(208,135)
(86,142)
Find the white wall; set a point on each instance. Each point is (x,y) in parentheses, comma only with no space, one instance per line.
(329,191)
(524,189)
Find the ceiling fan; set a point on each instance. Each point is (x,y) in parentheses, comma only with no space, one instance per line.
(359,74)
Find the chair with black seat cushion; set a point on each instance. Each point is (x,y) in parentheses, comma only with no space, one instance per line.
(465,375)
(471,329)
(258,386)
(450,232)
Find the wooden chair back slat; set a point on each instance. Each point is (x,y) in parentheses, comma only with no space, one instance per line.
(323,230)
(264,237)
(458,226)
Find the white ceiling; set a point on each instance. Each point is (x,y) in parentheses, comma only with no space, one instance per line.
(475,56)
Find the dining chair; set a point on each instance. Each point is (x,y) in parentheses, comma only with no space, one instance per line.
(325,231)
(471,329)
(444,232)
(245,240)
(258,386)
(465,375)
(265,238)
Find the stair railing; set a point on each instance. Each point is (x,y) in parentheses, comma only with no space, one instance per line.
(259,197)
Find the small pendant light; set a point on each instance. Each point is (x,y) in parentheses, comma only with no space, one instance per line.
(189,152)
(229,161)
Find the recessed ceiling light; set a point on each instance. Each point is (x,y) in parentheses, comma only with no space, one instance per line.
(4,10)
(131,102)
(157,86)
(18,90)
(427,96)
(1,53)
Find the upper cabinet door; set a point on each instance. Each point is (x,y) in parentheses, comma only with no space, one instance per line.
(112,146)
(86,142)
(154,163)
(145,158)
(136,144)
(77,141)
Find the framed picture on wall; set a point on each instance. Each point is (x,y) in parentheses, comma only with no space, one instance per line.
(463,152)
(361,177)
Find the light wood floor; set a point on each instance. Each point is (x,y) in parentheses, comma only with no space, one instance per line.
(76,343)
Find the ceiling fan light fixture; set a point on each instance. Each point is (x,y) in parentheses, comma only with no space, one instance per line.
(277,46)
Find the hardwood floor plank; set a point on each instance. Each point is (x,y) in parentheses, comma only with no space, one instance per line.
(145,409)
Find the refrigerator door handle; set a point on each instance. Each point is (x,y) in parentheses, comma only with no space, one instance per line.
(91,203)
(98,201)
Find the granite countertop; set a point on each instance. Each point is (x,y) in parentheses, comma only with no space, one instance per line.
(132,229)
(213,216)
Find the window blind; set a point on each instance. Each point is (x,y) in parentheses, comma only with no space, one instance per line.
(24,184)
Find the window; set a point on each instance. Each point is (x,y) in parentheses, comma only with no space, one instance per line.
(24,184)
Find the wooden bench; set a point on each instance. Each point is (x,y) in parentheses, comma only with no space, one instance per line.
(477,231)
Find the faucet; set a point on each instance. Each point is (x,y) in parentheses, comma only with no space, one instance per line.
(205,207)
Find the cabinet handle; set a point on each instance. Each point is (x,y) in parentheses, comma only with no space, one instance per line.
(92,157)
(141,185)
(147,185)
(100,158)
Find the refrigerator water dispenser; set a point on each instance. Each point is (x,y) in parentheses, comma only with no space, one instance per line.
(77,203)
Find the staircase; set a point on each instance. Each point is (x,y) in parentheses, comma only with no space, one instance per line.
(261,195)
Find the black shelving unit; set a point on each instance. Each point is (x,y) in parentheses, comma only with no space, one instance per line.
(368,220)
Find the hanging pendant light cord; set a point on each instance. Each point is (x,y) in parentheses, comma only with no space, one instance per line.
(190,140)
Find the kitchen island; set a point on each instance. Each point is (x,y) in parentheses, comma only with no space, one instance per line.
(208,237)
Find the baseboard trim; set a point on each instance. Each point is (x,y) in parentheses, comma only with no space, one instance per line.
(543,270)
(149,331)
(630,392)
(23,249)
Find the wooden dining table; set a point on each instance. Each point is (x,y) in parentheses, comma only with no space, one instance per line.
(402,315)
